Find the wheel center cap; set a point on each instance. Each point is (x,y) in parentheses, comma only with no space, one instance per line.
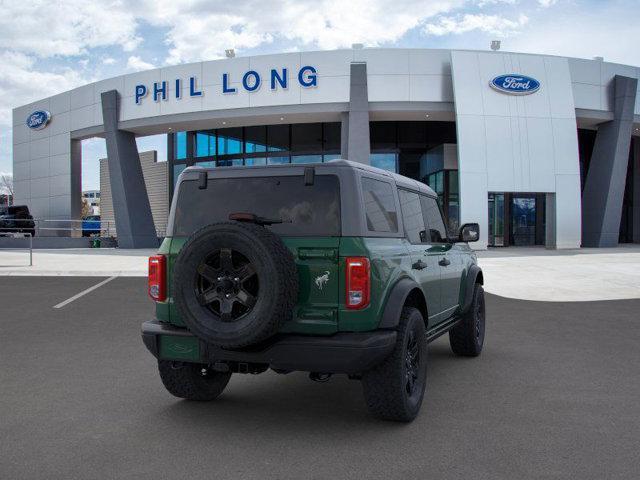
(227,285)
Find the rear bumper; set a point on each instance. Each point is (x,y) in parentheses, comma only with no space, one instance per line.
(347,352)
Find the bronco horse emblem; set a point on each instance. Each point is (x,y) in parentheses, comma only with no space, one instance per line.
(321,280)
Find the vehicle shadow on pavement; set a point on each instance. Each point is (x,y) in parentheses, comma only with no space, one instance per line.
(293,403)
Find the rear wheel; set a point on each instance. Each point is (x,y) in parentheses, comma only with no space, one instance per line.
(394,389)
(467,337)
(192,381)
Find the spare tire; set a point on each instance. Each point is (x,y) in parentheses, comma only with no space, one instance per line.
(235,284)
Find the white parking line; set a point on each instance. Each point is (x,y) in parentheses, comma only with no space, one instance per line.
(83,293)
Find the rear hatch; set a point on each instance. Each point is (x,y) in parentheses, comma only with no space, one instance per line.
(310,212)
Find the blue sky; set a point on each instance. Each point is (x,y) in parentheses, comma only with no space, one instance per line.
(48,49)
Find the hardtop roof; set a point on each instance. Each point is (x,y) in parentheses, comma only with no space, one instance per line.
(399,180)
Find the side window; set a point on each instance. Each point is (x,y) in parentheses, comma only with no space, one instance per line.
(412,216)
(379,206)
(433,220)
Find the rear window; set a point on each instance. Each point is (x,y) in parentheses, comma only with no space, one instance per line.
(307,210)
(379,206)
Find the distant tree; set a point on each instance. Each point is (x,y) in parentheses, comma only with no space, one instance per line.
(86,208)
(6,184)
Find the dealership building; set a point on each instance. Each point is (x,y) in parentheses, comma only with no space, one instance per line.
(538,149)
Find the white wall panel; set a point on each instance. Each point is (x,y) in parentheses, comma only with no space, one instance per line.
(59,144)
(429,62)
(388,88)
(212,71)
(39,168)
(384,61)
(82,117)
(60,103)
(81,97)
(329,64)
(430,88)
(39,149)
(334,89)
(20,133)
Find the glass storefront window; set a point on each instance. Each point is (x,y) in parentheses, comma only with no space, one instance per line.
(331,136)
(255,161)
(255,139)
(229,141)
(205,144)
(278,138)
(277,160)
(180,146)
(209,164)
(385,161)
(235,162)
(333,156)
(306,159)
(177,170)
(306,137)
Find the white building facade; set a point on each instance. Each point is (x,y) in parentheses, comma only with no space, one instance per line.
(536,149)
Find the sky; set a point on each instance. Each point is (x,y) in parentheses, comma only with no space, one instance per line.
(48,47)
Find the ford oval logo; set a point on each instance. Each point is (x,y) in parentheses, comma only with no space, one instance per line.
(515,84)
(38,119)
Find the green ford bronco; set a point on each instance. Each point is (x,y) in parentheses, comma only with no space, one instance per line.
(323,268)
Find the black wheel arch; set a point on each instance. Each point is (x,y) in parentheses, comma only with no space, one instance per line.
(474,275)
(406,292)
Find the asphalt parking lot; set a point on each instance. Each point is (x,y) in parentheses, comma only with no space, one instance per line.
(555,394)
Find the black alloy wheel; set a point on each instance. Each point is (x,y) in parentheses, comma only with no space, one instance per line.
(227,284)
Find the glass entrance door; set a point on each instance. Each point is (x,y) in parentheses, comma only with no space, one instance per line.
(496,220)
(523,220)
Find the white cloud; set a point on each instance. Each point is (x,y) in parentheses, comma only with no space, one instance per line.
(547,3)
(21,83)
(324,24)
(491,24)
(136,63)
(71,27)
(108,61)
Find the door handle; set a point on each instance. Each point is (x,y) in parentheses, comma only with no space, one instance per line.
(419,265)
(444,262)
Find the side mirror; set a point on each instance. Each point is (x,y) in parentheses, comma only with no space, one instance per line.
(469,232)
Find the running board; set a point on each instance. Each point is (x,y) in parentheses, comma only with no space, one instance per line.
(442,328)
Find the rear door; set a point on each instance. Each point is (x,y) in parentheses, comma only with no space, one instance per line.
(310,227)
(424,261)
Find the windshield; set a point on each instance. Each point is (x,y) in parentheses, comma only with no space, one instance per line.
(305,210)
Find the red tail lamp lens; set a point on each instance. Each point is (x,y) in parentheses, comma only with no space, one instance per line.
(158,278)
(358,282)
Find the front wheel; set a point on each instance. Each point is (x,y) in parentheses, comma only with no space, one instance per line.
(467,337)
(192,381)
(394,389)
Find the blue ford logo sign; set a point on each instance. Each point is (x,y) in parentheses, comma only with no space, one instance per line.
(515,84)
(38,119)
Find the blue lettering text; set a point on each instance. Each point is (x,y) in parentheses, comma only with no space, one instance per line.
(192,88)
(250,87)
(141,91)
(309,80)
(275,77)
(225,84)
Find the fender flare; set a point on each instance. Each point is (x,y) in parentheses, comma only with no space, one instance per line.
(395,302)
(474,275)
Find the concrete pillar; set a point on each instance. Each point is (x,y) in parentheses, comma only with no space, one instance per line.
(604,187)
(358,143)
(636,190)
(550,224)
(132,212)
(344,135)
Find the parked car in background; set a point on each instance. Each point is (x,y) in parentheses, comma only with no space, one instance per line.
(17,219)
(91,225)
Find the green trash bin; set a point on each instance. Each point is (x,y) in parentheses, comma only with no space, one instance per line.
(95,243)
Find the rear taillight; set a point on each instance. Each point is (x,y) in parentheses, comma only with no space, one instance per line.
(158,278)
(358,282)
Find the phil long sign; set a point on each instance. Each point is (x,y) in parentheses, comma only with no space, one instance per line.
(515,84)
(250,81)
